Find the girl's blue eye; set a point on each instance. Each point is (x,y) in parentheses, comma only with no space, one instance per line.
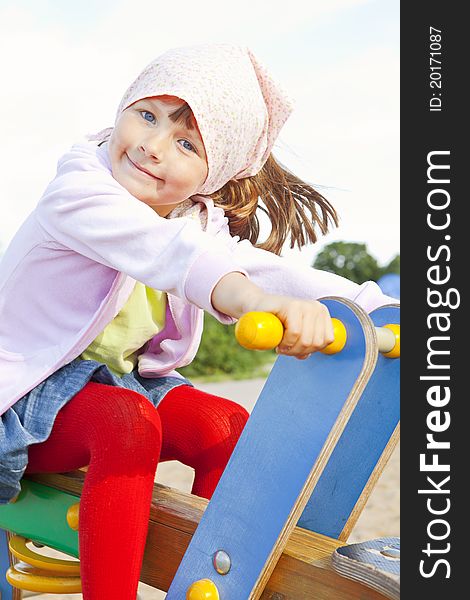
(147,116)
(188,146)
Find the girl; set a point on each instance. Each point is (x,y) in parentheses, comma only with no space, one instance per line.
(103,290)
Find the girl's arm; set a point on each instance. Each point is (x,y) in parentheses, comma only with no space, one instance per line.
(279,275)
(307,323)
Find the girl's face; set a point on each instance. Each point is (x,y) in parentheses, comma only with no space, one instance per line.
(159,161)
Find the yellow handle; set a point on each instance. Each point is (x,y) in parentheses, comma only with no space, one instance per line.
(204,589)
(395,351)
(340,334)
(264,331)
(258,330)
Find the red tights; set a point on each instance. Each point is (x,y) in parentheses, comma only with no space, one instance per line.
(122,437)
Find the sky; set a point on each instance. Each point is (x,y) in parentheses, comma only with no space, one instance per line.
(64,66)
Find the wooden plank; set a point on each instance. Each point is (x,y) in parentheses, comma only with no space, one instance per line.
(301,571)
(355,464)
(313,581)
(278,460)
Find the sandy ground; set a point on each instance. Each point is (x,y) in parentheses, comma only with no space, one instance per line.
(381,515)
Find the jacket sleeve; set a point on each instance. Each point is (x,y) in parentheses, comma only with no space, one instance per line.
(86,210)
(279,275)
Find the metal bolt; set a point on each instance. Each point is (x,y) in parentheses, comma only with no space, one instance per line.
(221,561)
(391,552)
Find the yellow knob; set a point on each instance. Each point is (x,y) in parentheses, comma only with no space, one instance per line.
(204,589)
(395,351)
(259,331)
(72,516)
(341,336)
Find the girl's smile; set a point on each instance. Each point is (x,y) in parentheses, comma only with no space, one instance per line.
(143,171)
(158,158)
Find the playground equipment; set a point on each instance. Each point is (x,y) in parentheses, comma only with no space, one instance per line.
(390,284)
(316,442)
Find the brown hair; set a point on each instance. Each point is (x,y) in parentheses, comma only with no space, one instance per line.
(184,114)
(294,207)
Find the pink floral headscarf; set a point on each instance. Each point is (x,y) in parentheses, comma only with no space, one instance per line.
(238,107)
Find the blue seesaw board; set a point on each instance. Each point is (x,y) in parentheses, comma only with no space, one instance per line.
(287,441)
(362,443)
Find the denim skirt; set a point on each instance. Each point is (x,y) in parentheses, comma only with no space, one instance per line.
(30,420)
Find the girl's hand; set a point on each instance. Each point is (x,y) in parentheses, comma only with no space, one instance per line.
(307,323)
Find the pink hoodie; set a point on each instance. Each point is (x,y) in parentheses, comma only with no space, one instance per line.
(74,261)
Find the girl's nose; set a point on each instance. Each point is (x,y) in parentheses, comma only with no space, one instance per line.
(154,147)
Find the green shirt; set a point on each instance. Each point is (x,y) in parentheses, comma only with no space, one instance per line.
(121,341)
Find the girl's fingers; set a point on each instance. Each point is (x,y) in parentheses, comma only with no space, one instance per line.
(307,331)
(323,333)
(293,330)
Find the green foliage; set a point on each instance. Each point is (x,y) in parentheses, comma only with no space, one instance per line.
(393,266)
(349,260)
(220,354)
(353,261)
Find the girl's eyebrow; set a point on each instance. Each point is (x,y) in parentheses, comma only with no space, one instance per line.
(182,119)
(181,112)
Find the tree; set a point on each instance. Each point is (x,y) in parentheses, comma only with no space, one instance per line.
(393,266)
(350,260)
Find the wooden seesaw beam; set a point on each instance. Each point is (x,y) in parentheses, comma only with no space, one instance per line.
(303,571)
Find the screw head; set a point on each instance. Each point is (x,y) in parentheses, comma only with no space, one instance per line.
(391,552)
(221,561)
